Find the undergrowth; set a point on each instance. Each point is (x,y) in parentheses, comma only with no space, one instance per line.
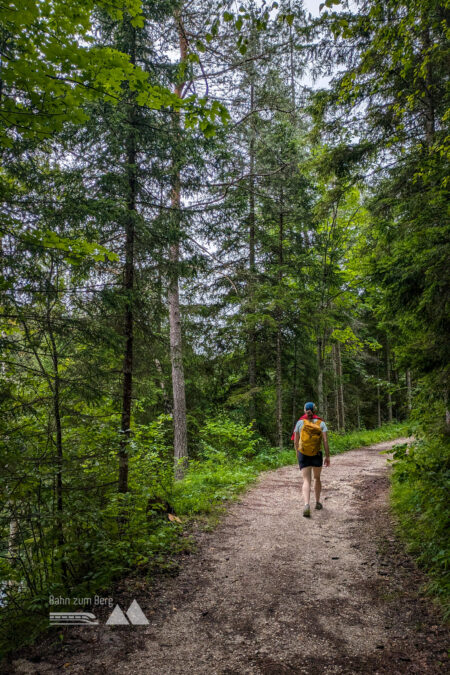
(218,478)
(158,513)
(419,497)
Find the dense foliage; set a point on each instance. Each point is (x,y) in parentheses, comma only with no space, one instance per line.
(193,243)
(386,118)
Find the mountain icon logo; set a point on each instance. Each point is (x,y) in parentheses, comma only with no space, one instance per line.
(135,615)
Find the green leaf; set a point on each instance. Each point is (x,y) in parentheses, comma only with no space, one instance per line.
(138,21)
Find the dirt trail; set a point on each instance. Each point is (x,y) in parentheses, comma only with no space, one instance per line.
(269,591)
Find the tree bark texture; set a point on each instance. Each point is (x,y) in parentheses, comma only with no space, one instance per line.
(176,346)
(59,449)
(341,388)
(320,362)
(409,389)
(279,377)
(251,260)
(279,393)
(336,388)
(388,378)
(294,385)
(378,395)
(128,282)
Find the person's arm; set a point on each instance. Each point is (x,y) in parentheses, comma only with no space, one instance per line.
(296,440)
(327,448)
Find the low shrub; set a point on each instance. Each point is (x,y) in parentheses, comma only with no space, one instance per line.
(222,435)
(419,497)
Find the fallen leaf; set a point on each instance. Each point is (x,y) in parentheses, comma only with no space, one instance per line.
(173,518)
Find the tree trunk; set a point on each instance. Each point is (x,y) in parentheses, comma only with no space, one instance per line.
(388,378)
(279,393)
(447,413)
(294,386)
(292,70)
(341,388)
(395,379)
(128,282)
(378,406)
(176,348)
(378,395)
(409,389)
(178,385)
(279,334)
(166,403)
(127,388)
(59,451)
(336,388)
(320,360)
(252,268)
(325,395)
(13,540)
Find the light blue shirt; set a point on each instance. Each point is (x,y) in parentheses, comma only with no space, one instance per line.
(299,425)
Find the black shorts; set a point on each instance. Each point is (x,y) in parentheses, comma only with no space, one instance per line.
(307,460)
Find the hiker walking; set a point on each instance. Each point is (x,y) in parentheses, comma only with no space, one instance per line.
(309,433)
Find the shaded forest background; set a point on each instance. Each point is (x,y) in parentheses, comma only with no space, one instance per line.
(194,242)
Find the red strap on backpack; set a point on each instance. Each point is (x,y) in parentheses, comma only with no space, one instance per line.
(305,417)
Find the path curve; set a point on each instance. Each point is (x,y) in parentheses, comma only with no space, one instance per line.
(269,591)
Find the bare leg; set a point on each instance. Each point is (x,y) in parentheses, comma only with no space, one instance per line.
(306,487)
(317,482)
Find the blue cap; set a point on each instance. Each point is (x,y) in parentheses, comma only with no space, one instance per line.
(309,406)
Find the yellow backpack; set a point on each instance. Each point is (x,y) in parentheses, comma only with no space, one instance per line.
(310,437)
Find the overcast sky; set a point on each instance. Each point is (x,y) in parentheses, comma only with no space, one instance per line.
(312,6)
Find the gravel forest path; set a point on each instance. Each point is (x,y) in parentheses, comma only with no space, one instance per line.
(271,592)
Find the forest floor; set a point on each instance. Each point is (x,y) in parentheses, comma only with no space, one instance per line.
(270,592)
